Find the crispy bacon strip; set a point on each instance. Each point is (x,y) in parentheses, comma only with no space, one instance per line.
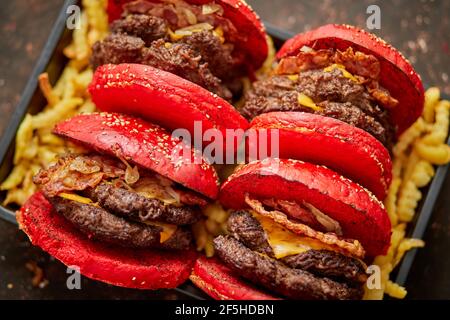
(76,173)
(348,247)
(358,63)
(305,60)
(381,95)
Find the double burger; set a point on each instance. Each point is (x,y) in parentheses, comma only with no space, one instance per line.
(211,43)
(120,211)
(338,98)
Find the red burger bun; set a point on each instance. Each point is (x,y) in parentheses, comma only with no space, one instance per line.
(348,150)
(132,268)
(163,98)
(397,74)
(144,144)
(220,283)
(360,214)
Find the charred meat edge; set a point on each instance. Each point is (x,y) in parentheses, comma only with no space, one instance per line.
(275,276)
(99,224)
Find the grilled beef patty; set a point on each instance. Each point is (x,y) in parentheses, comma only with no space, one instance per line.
(200,58)
(99,224)
(134,206)
(275,276)
(119,214)
(337,96)
(325,263)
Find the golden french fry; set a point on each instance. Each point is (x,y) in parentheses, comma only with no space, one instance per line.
(432,96)
(200,235)
(16,176)
(68,73)
(23,138)
(60,111)
(87,107)
(391,200)
(209,246)
(97,20)
(439,130)
(47,90)
(438,155)
(409,136)
(395,290)
(79,39)
(409,166)
(406,245)
(422,174)
(407,202)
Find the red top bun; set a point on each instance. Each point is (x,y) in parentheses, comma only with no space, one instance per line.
(360,214)
(251,41)
(346,149)
(132,268)
(163,98)
(397,75)
(145,144)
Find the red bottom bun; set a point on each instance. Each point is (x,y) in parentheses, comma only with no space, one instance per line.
(130,268)
(220,283)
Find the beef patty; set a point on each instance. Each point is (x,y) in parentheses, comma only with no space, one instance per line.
(325,263)
(132,205)
(276,276)
(200,58)
(113,202)
(99,224)
(336,95)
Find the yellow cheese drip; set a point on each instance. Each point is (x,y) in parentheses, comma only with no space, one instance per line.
(345,73)
(75,197)
(306,101)
(166,233)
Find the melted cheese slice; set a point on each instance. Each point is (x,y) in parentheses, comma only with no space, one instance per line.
(286,243)
(166,233)
(345,73)
(306,101)
(76,198)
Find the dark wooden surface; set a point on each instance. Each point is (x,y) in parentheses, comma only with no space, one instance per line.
(419,28)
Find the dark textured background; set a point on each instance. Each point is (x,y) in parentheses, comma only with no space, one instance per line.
(420,29)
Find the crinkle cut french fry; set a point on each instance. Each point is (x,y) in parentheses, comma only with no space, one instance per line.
(438,155)
(439,130)
(408,200)
(409,136)
(397,166)
(385,263)
(432,96)
(409,166)
(395,290)
(391,200)
(422,174)
(406,245)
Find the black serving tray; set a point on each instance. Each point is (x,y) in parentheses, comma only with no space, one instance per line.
(53,61)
